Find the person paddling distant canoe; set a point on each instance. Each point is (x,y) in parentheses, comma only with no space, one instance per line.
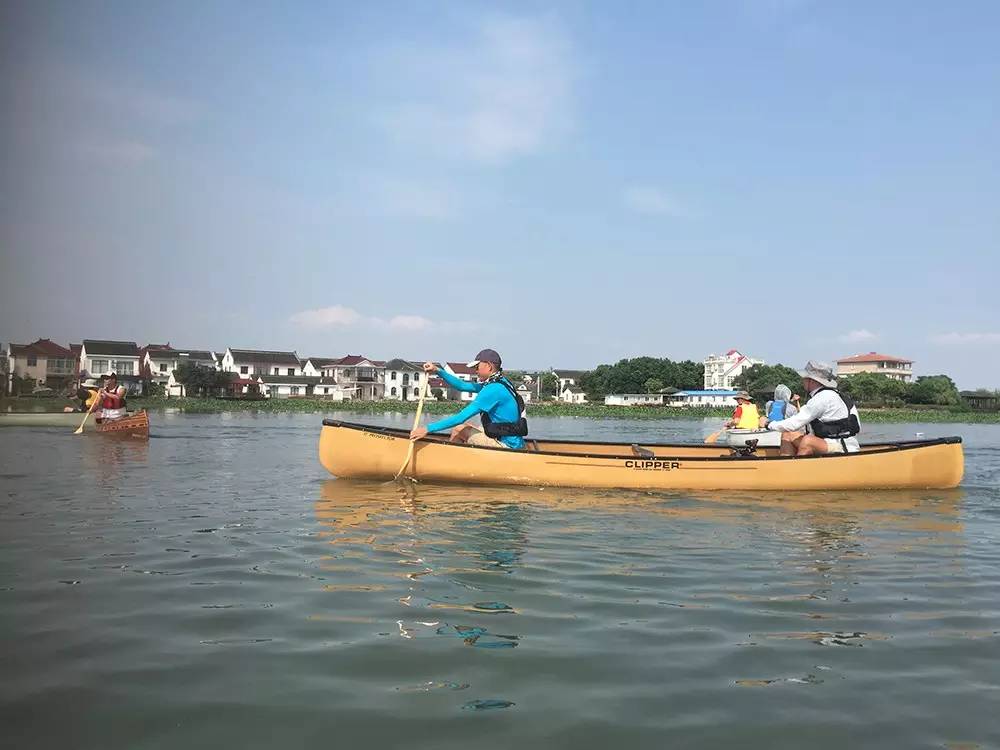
(112,398)
(831,417)
(498,405)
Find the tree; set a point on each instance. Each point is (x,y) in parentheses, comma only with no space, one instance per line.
(549,385)
(760,378)
(654,385)
(630,376)
(934,389)
(199,379)
(874,389)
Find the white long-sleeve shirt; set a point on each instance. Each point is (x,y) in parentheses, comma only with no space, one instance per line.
(825,406)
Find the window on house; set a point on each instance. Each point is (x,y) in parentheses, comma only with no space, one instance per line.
(244,370)
(416,392)
(406,378)
(291,370)
(392,391)
(393,377)
(295,390)
(163,366)
(32,361)
(274,371)
(98,366)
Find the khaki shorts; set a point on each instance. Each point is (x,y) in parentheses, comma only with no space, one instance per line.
(833,445)
(480,438)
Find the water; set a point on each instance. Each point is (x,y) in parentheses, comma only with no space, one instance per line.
(215,589)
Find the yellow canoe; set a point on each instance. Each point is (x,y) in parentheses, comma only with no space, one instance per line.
(363,451)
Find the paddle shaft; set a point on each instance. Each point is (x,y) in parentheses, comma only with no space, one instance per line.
(79,429)
(416,424)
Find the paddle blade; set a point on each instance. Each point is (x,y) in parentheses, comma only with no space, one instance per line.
(713,437)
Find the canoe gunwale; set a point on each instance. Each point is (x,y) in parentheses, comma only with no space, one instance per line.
(892,447)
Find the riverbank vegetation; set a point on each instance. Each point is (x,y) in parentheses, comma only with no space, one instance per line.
(537,409)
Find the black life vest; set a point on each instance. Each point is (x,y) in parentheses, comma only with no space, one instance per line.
(497,430)
(838,428)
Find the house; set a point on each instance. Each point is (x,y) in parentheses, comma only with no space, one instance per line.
(567,377)
(524,391)
(315,367)
(42,361)
(722,370)
(402,380)
(703,398)
(162,362)
(358,375)
(635,399)
(881,364)
(573,394)
(159,361)
(463,372)
(287,386)
(259,362)
(329,389)
(100,357)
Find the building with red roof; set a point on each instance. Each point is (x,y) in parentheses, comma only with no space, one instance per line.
(896,368)
(43,361)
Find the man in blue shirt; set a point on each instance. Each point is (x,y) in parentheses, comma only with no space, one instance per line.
(498,404)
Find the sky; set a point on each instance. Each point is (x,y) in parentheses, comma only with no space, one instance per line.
(568,183)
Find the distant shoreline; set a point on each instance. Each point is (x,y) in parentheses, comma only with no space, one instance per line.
(540,409)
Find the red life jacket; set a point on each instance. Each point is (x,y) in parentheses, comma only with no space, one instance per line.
(112,401)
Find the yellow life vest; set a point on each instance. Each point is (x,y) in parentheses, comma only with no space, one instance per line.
(749,418)
(90,399)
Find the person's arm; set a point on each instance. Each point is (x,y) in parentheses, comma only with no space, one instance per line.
(457,383)
(806,414)
(483,402)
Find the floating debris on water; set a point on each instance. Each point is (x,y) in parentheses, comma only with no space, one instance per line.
(809,679)
(487,705)
(427,687)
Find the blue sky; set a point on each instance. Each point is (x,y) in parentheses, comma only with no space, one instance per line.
(569,183)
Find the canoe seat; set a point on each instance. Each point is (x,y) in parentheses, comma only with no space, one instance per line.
(642,452)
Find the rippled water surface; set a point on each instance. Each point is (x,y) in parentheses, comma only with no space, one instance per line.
(215,588)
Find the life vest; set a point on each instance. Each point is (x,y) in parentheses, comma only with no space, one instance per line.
(497,430)
(777,411)
(749,417)
(112,401)
(838,428)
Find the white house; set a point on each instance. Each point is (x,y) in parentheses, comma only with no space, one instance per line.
(329,389)
(524,391)
(463,372)
(573,394)
(100,357)
(288,386)
(635,399)
(722,370)
(359,376)
(402,380)
(253,362)
(567,377)
(703,398)
(160,360)
(315,366)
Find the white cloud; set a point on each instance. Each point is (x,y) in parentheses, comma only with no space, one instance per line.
(646,199)
(857,336)
(410,323)
(338,316)
(327,317)
(955,338)
(506,93)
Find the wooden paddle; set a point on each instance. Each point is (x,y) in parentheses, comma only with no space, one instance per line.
(713,437)
(416,423)
(79,430)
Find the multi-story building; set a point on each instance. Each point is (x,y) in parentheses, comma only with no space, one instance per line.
(722,370)
(44,362)
(881,364)
(463,372)
(100,357)
(247,362)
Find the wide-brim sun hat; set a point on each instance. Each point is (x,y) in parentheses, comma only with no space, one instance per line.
(821,372)
(90,383)
(742,395)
